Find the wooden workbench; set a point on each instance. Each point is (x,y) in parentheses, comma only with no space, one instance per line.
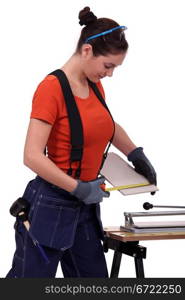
(128,243)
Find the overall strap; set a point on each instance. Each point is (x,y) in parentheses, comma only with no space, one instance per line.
(100,97)
(76,128)
(75,122)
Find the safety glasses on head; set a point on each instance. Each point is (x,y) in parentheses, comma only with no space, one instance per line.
(104,33)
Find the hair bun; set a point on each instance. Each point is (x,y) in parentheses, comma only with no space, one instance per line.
(86,16)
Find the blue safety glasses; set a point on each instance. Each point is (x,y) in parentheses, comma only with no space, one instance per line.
(104,33)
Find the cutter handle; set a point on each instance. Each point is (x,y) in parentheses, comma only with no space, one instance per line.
(147,205)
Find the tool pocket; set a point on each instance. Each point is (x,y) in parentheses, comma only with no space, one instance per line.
(19,238)
(54,222)
(18,259)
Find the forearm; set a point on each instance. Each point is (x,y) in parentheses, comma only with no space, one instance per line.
(45,168)
(122,141)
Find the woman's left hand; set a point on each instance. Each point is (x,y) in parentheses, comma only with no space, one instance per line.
(142,165)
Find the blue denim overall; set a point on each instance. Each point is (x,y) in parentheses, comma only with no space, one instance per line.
(67,230)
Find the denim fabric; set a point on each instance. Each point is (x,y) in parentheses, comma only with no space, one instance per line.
(68,230)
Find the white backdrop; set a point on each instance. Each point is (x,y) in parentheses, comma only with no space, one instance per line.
(145,96)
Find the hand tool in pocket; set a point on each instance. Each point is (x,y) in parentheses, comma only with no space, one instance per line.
(20,209)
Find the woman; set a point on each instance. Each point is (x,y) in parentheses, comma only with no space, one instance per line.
(64,208)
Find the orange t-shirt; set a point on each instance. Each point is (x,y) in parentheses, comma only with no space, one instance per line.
(48,104)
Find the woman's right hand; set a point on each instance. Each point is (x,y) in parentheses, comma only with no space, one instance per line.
(90,192)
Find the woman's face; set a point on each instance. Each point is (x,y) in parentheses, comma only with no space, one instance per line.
(96,68)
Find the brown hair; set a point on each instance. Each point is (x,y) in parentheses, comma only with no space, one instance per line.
(112,43)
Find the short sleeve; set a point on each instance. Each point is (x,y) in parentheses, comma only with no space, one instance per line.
(44,103)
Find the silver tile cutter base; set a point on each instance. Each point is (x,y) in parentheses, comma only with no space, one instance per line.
(144,227)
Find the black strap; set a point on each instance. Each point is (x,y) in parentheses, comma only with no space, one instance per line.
(75,122)
(99,96)
(76,127)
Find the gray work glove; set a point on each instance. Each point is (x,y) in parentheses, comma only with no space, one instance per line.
(90,192)
(142,165)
